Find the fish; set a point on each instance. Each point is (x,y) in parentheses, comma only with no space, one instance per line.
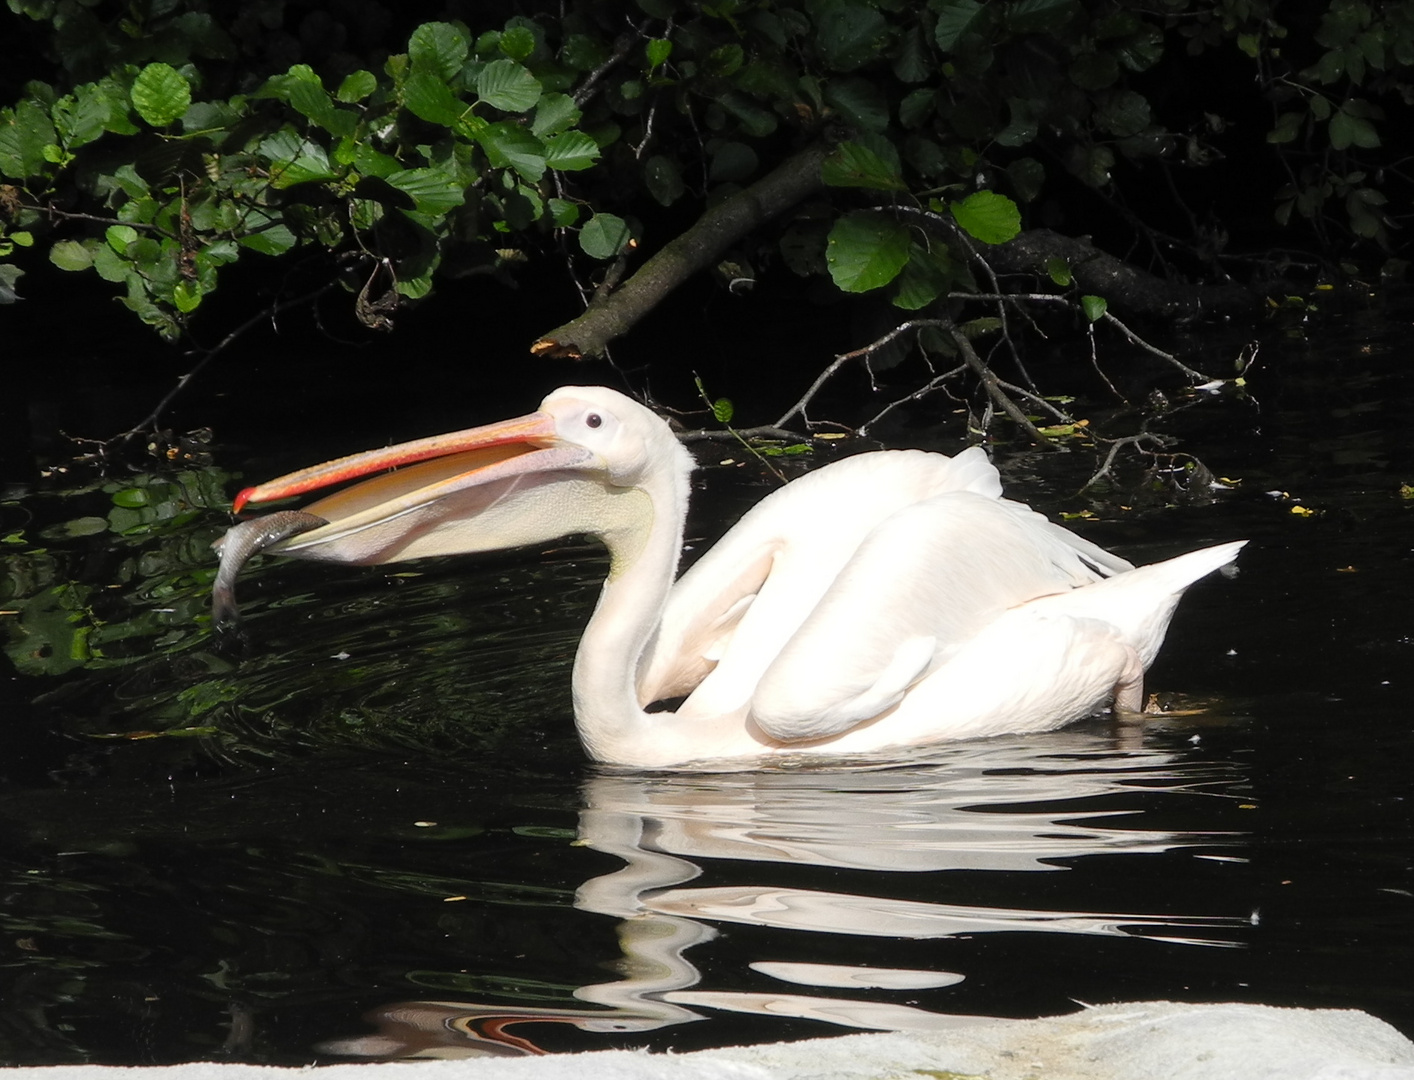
(238,544)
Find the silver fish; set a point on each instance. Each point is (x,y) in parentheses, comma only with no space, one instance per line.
(236,547)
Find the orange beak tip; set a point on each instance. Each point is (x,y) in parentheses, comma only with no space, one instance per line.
(242,497)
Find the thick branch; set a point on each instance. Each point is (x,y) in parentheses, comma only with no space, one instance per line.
(614,314)
(1123,286)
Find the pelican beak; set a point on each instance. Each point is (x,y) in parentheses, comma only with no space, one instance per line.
(473,490)
(492,444)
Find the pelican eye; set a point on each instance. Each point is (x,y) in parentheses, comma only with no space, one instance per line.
(593,420)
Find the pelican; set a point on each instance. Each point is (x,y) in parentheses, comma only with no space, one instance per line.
(888,600)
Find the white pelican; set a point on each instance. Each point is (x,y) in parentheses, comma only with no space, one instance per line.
(888,600)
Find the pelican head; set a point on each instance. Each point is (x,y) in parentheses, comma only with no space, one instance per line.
(560,470)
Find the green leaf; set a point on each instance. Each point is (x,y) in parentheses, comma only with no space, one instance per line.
(517,42)
(658,50)
(1094,70)
(186,296)
(110,265)
(866,250)
(160,94)
(119,237)
(848,35)
(509,145)
(439,49)
(853,165)
(954,18)
(428,97)
(664,179)
(1039,16)
(1027,176)
(274,240)
(506,85)
(723,410)
(916,107)
(1123,113)
(860,101)
(987,216)
(1347,130)
(1094,307)
(295,161)
(604,236)
(924,279)
(1287,128)
(357,86)
(24,133)
(1142,49)
(571,151)
(554,113)
(9,278)
(70,255)
(79,119)
(434,190)
(1059,270)
(563,213)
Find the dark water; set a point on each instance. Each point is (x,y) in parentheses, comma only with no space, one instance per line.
(371,831)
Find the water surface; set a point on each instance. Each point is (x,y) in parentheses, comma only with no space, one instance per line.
(369,831)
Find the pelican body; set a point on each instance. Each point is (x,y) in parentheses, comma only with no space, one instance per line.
(888,600)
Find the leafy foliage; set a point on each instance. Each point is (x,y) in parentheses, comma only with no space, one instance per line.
(174,140)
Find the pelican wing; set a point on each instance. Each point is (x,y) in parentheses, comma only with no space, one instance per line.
(923,583)
(792,544)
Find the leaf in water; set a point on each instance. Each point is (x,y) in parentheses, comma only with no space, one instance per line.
(987,216)
(1094,307)
(1061,431)
(604,236)
(82,526)
(1059,270)
(160,94)
(866,251)
(132,497)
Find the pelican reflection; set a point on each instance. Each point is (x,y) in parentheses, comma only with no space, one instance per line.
(1011,805)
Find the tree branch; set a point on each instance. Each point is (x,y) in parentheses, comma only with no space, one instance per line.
(614,314)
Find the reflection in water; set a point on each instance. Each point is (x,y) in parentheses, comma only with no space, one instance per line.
(1004,805)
